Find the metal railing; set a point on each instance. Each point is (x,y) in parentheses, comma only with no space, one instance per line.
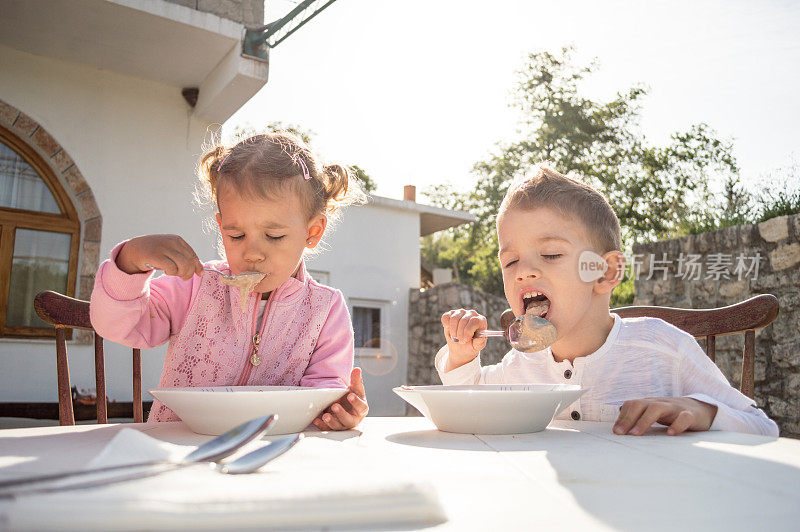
(259,40)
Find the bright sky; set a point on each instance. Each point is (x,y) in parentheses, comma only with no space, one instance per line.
(416,91)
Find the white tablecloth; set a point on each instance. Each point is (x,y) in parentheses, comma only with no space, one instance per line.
(573,475)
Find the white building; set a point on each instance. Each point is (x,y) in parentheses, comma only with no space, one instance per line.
(374,259)
(98,144)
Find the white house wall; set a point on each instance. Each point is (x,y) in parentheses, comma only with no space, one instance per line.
(373,256)
(136,146)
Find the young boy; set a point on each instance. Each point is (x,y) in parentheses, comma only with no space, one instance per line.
(639,371)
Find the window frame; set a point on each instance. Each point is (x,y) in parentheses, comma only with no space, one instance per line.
(11,219)
(383,306)
(318,276)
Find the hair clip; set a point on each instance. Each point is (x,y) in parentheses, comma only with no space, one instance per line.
(219,166)
(306,175)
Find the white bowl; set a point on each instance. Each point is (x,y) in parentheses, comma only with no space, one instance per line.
(490,408)
(218,409)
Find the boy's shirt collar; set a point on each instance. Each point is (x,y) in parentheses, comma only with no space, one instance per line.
(600,352)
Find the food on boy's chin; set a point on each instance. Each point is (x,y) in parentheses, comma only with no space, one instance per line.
(245,282)
(532,333)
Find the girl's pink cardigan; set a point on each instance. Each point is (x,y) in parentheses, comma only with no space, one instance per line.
(306,337)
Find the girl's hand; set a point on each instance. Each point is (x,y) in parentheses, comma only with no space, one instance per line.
(170,253)
(348,411)
(459,328)
(679,413)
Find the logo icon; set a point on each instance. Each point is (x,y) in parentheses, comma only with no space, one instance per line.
(591,266)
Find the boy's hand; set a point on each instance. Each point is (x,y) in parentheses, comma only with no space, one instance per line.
(170,253)
(348,411)
(679,413)
(459,328)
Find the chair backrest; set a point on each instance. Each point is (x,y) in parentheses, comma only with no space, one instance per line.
(745,317)
(63,313)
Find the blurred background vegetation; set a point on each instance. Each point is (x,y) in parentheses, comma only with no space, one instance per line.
(688,186)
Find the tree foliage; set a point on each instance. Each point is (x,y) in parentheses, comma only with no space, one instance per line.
(368,185)
(657,191)
(778,193)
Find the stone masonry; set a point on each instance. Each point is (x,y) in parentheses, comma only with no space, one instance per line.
(717,269)
(425,327)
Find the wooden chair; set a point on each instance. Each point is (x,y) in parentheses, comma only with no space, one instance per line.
(63,313)
(745,317)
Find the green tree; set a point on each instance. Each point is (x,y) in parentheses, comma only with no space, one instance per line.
(733,206)
(778,193)
(368,185)
(653,189)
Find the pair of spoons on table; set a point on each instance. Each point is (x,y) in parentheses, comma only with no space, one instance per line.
(212,452)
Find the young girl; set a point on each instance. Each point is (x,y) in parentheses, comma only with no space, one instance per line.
(273,200)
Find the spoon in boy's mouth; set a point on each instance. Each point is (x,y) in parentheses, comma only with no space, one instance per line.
(527,333)
(530,332)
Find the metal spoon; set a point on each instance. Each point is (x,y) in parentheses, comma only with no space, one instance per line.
(223,275)
(248,463)
(527,333)
(213,450)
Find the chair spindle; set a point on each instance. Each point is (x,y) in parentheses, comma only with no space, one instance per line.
(748,363)
(138,416)
(711,345)
(65,413)
(100,379)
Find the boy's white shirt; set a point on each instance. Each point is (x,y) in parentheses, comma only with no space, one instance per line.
(642,357)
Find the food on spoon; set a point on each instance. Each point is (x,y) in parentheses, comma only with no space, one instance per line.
(533,332)
(245,282)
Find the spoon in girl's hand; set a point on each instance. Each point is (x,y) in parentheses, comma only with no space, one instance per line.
(527,333)
(229,278)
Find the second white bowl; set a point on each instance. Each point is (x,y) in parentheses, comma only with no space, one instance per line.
(490,408)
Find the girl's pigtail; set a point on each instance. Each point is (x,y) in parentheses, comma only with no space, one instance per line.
(341,189)
(208,171)
(336,185)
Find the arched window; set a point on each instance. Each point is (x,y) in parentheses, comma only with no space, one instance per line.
(39,237)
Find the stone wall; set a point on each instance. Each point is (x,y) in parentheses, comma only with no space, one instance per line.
(425,328)
(247,12)
(727,275)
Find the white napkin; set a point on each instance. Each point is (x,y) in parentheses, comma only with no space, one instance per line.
(318,483)
(132,446)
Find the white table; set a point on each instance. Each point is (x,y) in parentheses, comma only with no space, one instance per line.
(573,475)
